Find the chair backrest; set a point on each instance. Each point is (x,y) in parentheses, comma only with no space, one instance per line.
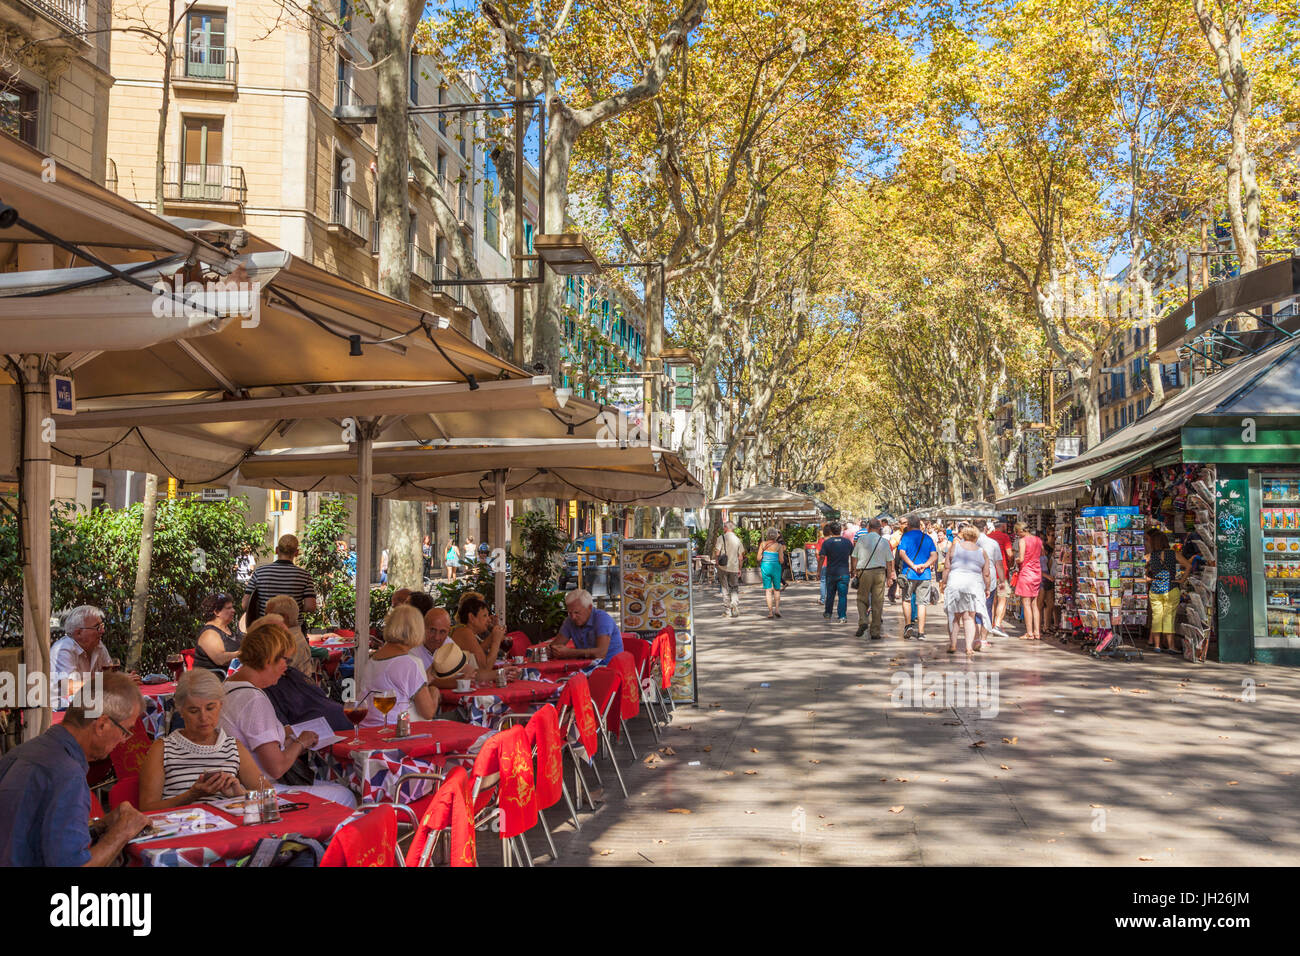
(508,755)
(664,653)
(576,698)
(188,654)
(639,648)
(126,790)
(96,808)
(449,812)
(519,643)
(129,755)
(625,665)
(366,840)
(606,694)
(543,734)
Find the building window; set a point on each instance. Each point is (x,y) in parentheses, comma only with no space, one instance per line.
(205,51)
(19,107)
(415,80)
(528,238)
(345,15)
(344,94)
(442,168)
(442,117)
(491,202)
(201,157)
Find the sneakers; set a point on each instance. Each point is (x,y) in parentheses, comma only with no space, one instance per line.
(826,615)
(844,620)
(859,632)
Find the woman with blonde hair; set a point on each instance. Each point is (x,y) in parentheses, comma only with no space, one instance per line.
(287,608)
(968,580)
(394,670)
(249,716)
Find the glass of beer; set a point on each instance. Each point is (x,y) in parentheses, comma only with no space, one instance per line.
(384,702)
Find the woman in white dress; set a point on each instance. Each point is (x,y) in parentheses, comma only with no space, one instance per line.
(394,670)
(967,582)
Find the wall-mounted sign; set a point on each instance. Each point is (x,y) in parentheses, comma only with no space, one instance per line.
(63,396)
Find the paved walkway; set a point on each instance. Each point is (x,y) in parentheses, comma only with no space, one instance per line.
(796,755)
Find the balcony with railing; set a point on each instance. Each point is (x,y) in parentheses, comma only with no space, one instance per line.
(349,218)
(444,273)
(422,264)
(68,13)
(206,67)
(204,184)
(465,214)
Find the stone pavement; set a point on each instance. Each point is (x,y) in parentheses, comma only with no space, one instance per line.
(1144,763)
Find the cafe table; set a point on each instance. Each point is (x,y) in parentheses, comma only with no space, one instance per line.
(485,702)
(222,847)
(372,767)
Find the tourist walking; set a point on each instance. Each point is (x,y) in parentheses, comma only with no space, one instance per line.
(968,580)
(993,551)
(821,562)
(771,559)
(895,536)
(1029,579)
(729,552)
(836,551)
(917,552)
(871,563)
(452,559)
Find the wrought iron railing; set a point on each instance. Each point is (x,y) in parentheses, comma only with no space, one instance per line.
(213,64)
(204,182)
(69,12)
(351,215)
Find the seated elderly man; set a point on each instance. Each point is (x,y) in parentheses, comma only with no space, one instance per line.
(81,654)
(592,631)
(44,799)
(443,659)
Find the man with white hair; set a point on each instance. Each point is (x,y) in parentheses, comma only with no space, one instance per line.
(729,552)
(80,654)
(593,632)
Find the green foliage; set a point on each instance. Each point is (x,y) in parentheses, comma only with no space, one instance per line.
(322,560)
(196,552)
(476,577)
(797,535)
(751,538)
(340,608)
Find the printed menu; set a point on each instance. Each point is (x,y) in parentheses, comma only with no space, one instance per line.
(656,576)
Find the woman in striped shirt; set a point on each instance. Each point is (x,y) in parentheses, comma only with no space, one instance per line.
(201,761)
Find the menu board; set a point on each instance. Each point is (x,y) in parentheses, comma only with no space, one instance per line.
(656,583)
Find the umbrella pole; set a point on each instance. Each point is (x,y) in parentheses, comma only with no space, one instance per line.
(36,532)
(499,533)
(365,475)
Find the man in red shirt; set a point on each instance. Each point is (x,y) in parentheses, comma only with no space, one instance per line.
(999,534)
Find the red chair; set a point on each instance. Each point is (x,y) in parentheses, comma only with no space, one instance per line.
(630,700)
(96,808)
(503,777)
(126,790)
(663,664)
(640,651)
(519,643)
(606,695)
(129,755)
(448,812)
(367,838)
(542,731)
(578,716)
(188,654)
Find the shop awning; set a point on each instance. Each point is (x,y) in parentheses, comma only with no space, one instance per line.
(1267,285)
(1063,487)
(764,497)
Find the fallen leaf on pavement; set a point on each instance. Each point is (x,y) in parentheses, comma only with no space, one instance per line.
(606,852)
(952,723)
(1010,740)
(670,752)
(898,809)
(814,761)
(1116,690)
(753,750)
(651,759)
(1223,736)
(750,812)
(1232,783)
(729,773)
(750,773)
(1052,840)
(943,779)
(1004,766)
(1106,760)
(661,841)
(978,743)
(1094,804)
(679,810)
(1138,692)
(1145,859)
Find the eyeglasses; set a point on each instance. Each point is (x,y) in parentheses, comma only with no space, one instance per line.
(125,732)
(96,627)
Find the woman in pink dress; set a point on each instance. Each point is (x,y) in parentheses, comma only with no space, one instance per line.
(1029,552)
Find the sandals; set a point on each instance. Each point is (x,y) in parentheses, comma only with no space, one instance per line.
(952,650)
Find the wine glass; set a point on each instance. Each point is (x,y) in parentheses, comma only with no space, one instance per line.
(356,713)
(384,703)
(176,664)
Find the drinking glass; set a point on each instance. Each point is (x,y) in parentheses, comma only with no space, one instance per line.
(384,703)
(176,664)
(356,713)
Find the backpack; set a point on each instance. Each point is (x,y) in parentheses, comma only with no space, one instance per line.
(292,849)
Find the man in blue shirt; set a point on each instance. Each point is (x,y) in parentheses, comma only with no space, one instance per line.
(44,799)
(593,632)
(918,555)
(836,549)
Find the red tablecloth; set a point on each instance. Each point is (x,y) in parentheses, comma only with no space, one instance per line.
(552,670)
(428,737)
(159,690)
(514,693)
(218,847)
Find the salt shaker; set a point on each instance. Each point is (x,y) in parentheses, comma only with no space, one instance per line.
(252,808)
(270,805)
(404,724)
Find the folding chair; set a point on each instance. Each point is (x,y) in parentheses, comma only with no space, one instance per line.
(368,837)
(542,731)
(187,654)
(607,694)
(663,664)
(448,812)
(640,651)
(129,756)
(630,698)
(578,713)
(503,791)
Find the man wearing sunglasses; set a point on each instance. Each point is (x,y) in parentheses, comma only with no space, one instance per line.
(44,799)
